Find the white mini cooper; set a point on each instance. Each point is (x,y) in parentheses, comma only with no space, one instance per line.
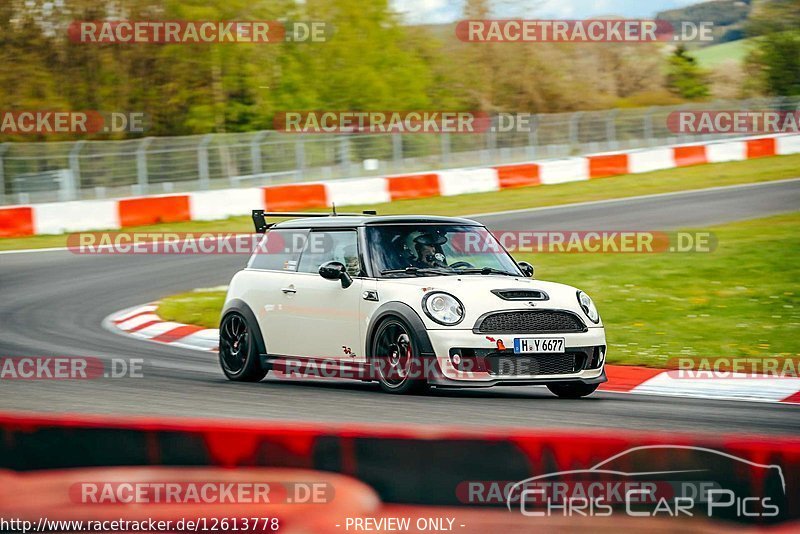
(408,301)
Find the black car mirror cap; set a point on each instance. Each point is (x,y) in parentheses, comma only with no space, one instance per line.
(526,268)
(334,270)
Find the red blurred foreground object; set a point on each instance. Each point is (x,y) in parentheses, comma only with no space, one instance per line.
(60,495)
(53,495)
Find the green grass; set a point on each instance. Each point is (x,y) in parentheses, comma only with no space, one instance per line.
(739,300)
(195,307)
(700,176)
(716,55)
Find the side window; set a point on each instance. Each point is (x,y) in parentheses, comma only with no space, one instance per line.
(331,245)
(279,250)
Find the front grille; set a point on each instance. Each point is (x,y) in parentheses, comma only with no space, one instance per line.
(529,322)
(541,364)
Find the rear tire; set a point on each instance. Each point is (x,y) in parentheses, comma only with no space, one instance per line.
(238,351)
(573,390)
(395,358)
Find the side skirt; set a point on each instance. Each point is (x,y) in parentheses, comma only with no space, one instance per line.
(303,367)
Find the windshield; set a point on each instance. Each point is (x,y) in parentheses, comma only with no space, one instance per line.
(410,250)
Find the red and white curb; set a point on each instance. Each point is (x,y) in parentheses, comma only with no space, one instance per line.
(737,386)
(142,322)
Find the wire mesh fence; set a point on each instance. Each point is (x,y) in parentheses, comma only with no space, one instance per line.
(58,171)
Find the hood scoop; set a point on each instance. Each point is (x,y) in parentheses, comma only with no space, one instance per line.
(520,294)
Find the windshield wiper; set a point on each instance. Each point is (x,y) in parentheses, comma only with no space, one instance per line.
(418,271)
(484,270)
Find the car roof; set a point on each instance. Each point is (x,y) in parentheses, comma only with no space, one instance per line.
(338,221)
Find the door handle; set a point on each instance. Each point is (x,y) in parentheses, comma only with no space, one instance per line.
(289,290)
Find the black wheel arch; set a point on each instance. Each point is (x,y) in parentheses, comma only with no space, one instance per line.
(409,316)
(238,305)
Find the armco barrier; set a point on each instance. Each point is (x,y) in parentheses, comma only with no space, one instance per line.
(521,175)
(761,148)
(77,216)
(153,210)
(429,466)
(559,171)
(413,186)
(608,165)
(213,205)
(464,181)
(357,191)
(294,197)
(722,152)
(690,155)
(788,144)
(16,221)
(216,205)
(651,159)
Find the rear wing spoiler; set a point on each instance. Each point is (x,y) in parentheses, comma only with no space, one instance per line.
(261,224)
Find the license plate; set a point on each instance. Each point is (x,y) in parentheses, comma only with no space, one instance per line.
(527,345)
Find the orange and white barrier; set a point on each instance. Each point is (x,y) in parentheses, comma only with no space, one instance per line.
(76,216)
(651,159)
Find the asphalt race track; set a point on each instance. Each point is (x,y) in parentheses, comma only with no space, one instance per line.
(53,303)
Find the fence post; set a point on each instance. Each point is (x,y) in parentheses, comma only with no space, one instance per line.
(344,154)
(491,141)
(300,156)
(72,179)
(574,126)
(533,135)
(444,147)
(202,162)
(141,165)
(647,126)
(397,149)
(255,151)
(3,149)
(611,129)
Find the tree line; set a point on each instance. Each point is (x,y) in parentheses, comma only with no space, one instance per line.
(372,61)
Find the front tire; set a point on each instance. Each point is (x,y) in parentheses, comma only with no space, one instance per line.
(395,358)
(574,390)
(238,351)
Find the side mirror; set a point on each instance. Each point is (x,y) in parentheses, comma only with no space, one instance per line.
(526,268)
(334,270)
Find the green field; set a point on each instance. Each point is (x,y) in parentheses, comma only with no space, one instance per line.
(716,55)
(697,177)
(739,300)
(195,307)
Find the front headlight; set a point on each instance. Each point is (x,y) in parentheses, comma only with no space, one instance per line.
(588,307)
(443,308)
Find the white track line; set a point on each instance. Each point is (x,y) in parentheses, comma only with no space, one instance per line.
(632,199)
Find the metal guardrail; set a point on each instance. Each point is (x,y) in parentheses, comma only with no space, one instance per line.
(57,171)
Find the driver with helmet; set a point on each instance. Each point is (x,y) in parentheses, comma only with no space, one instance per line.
(429,250)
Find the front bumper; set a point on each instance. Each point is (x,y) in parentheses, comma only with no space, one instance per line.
(587,348)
